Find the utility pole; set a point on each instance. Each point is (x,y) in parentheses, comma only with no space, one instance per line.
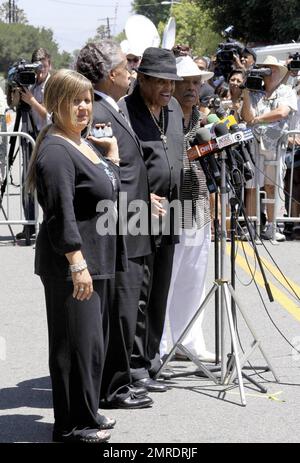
(9,11)
(13,11)
(115,18)
(107,33)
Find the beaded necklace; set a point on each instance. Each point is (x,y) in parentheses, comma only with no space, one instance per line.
(162,127)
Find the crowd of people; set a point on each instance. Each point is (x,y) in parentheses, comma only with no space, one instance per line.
(117,278)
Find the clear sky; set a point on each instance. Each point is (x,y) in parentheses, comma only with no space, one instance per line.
(74,21)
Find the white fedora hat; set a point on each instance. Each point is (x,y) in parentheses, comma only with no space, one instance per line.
(131,49)
(273,61)
(186,67)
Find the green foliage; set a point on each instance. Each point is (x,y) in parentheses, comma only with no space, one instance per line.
(19,41)
(270,21)
(121,36)
(193,28)
(152,9)
(20,15)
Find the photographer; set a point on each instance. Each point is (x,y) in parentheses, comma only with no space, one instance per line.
(228,57)
(235,81)
(248,58)
(29,100)
(268,112)
(34,95)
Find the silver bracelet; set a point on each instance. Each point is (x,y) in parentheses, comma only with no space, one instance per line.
(78,267)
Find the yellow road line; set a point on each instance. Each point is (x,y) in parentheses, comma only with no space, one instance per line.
(278,295)
(275,272)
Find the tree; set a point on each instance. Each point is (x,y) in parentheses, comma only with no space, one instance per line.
(101,33)
(270,21)
(18,41)
(120,37)
(19,14)
(193,28)
(193,23)
(152,9)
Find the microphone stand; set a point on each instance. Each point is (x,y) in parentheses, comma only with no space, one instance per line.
(233,368)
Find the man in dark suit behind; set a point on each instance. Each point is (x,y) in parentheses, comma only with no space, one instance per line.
(106,66)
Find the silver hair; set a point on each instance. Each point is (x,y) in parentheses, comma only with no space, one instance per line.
(97,59)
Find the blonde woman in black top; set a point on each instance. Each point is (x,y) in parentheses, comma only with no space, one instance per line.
(74,256)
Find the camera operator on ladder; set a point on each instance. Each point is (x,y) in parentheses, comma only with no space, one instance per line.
(33,96)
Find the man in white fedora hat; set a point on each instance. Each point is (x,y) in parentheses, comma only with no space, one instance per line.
(268,112)
(187,288)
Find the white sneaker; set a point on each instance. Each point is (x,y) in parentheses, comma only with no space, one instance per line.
(268,234)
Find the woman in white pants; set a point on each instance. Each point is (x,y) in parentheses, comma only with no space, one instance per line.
(187,288)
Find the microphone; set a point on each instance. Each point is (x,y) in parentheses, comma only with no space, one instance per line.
(212,119)
(201,147)
(237,130)
(204,142)
(229,121)
(247,139)
(226,140)
(210,122)
(244,149)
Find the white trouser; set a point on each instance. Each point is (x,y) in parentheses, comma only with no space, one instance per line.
(187,289)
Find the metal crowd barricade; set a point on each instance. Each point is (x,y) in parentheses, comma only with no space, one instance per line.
(283,141)
(6,205)
(278,163)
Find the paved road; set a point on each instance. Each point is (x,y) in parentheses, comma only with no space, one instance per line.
(192,410)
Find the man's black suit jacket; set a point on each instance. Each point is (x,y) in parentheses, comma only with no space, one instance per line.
(164,162)
(133,172)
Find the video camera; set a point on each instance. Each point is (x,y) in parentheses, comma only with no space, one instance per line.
(226,51)
(254,80)
(294,65)
(23,73)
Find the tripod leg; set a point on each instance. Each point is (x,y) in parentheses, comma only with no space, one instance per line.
(247,321)
(186,330)
(251,380)
(234,344)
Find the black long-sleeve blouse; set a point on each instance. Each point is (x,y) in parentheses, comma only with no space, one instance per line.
(78,198)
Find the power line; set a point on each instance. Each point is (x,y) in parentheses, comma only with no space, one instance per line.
(86,4)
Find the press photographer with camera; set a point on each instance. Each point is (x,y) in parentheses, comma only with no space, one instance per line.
(248,58)
(34,94)
(228,57)
(26,83)
(267,111)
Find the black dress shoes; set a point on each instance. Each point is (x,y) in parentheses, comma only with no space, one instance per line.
(27,232)
(138,391)
(105,422)
(151,385)
(85,436)
(132,401)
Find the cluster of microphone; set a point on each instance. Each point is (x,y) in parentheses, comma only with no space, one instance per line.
(223,135)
